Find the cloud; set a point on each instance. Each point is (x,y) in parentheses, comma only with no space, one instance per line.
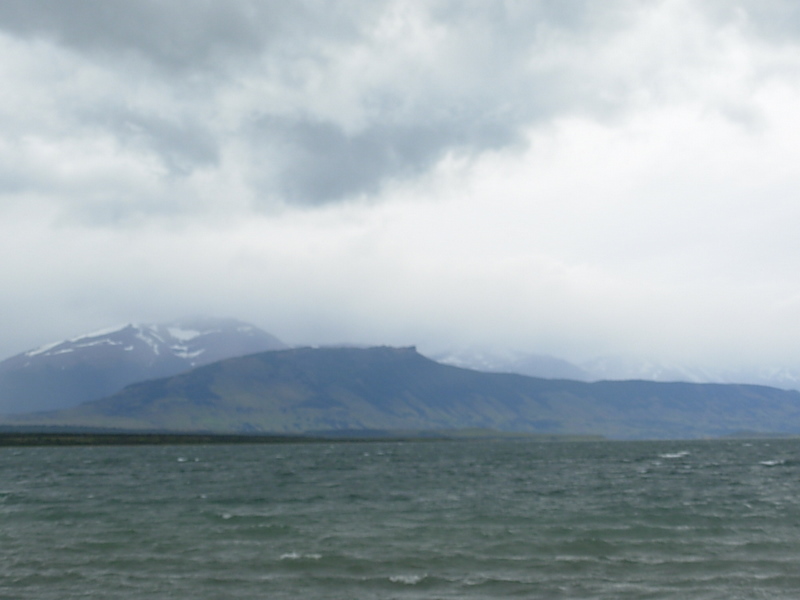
(317,109)
(567,177)
(319,162)
(166,33)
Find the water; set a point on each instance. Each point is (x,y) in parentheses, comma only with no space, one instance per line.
(621,520)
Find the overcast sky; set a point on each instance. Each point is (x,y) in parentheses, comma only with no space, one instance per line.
(567,177)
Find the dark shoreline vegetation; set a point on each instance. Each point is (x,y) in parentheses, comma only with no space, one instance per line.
(41,437)
(141,439)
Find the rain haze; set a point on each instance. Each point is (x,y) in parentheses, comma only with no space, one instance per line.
(563,177)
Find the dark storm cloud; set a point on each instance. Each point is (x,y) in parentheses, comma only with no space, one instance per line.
(140,26)
(409,127)
(169,33)
(321,162)
(261,77)
(204,49)
(177,33)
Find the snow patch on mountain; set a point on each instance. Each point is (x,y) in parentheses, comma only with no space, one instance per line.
(99,333)
(43,349)
(148,339)
(184,335)
(186,353)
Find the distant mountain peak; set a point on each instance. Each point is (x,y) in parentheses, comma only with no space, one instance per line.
(99,363)
(179,338)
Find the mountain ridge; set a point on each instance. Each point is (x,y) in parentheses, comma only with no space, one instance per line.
(385,388)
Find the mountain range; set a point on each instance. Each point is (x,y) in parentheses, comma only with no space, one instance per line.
(224,375)
(398,389)
(98,364)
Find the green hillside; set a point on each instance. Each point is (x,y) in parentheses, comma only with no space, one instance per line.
(384,388)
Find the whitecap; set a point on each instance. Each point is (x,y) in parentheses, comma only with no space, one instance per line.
(680,454)
(407,579)
(298,556)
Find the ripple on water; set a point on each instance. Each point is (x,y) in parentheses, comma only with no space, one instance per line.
(456,520)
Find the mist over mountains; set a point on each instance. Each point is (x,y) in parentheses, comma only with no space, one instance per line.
(224,375)
(97,364)
(615,368)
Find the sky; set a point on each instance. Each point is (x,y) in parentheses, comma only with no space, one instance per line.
(564,177)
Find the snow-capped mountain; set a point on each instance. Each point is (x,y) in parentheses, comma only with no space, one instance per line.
(780,377)
(95,365)
(614,368)
(509,361)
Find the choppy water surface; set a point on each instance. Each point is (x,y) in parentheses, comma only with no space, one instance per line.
(403,520)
